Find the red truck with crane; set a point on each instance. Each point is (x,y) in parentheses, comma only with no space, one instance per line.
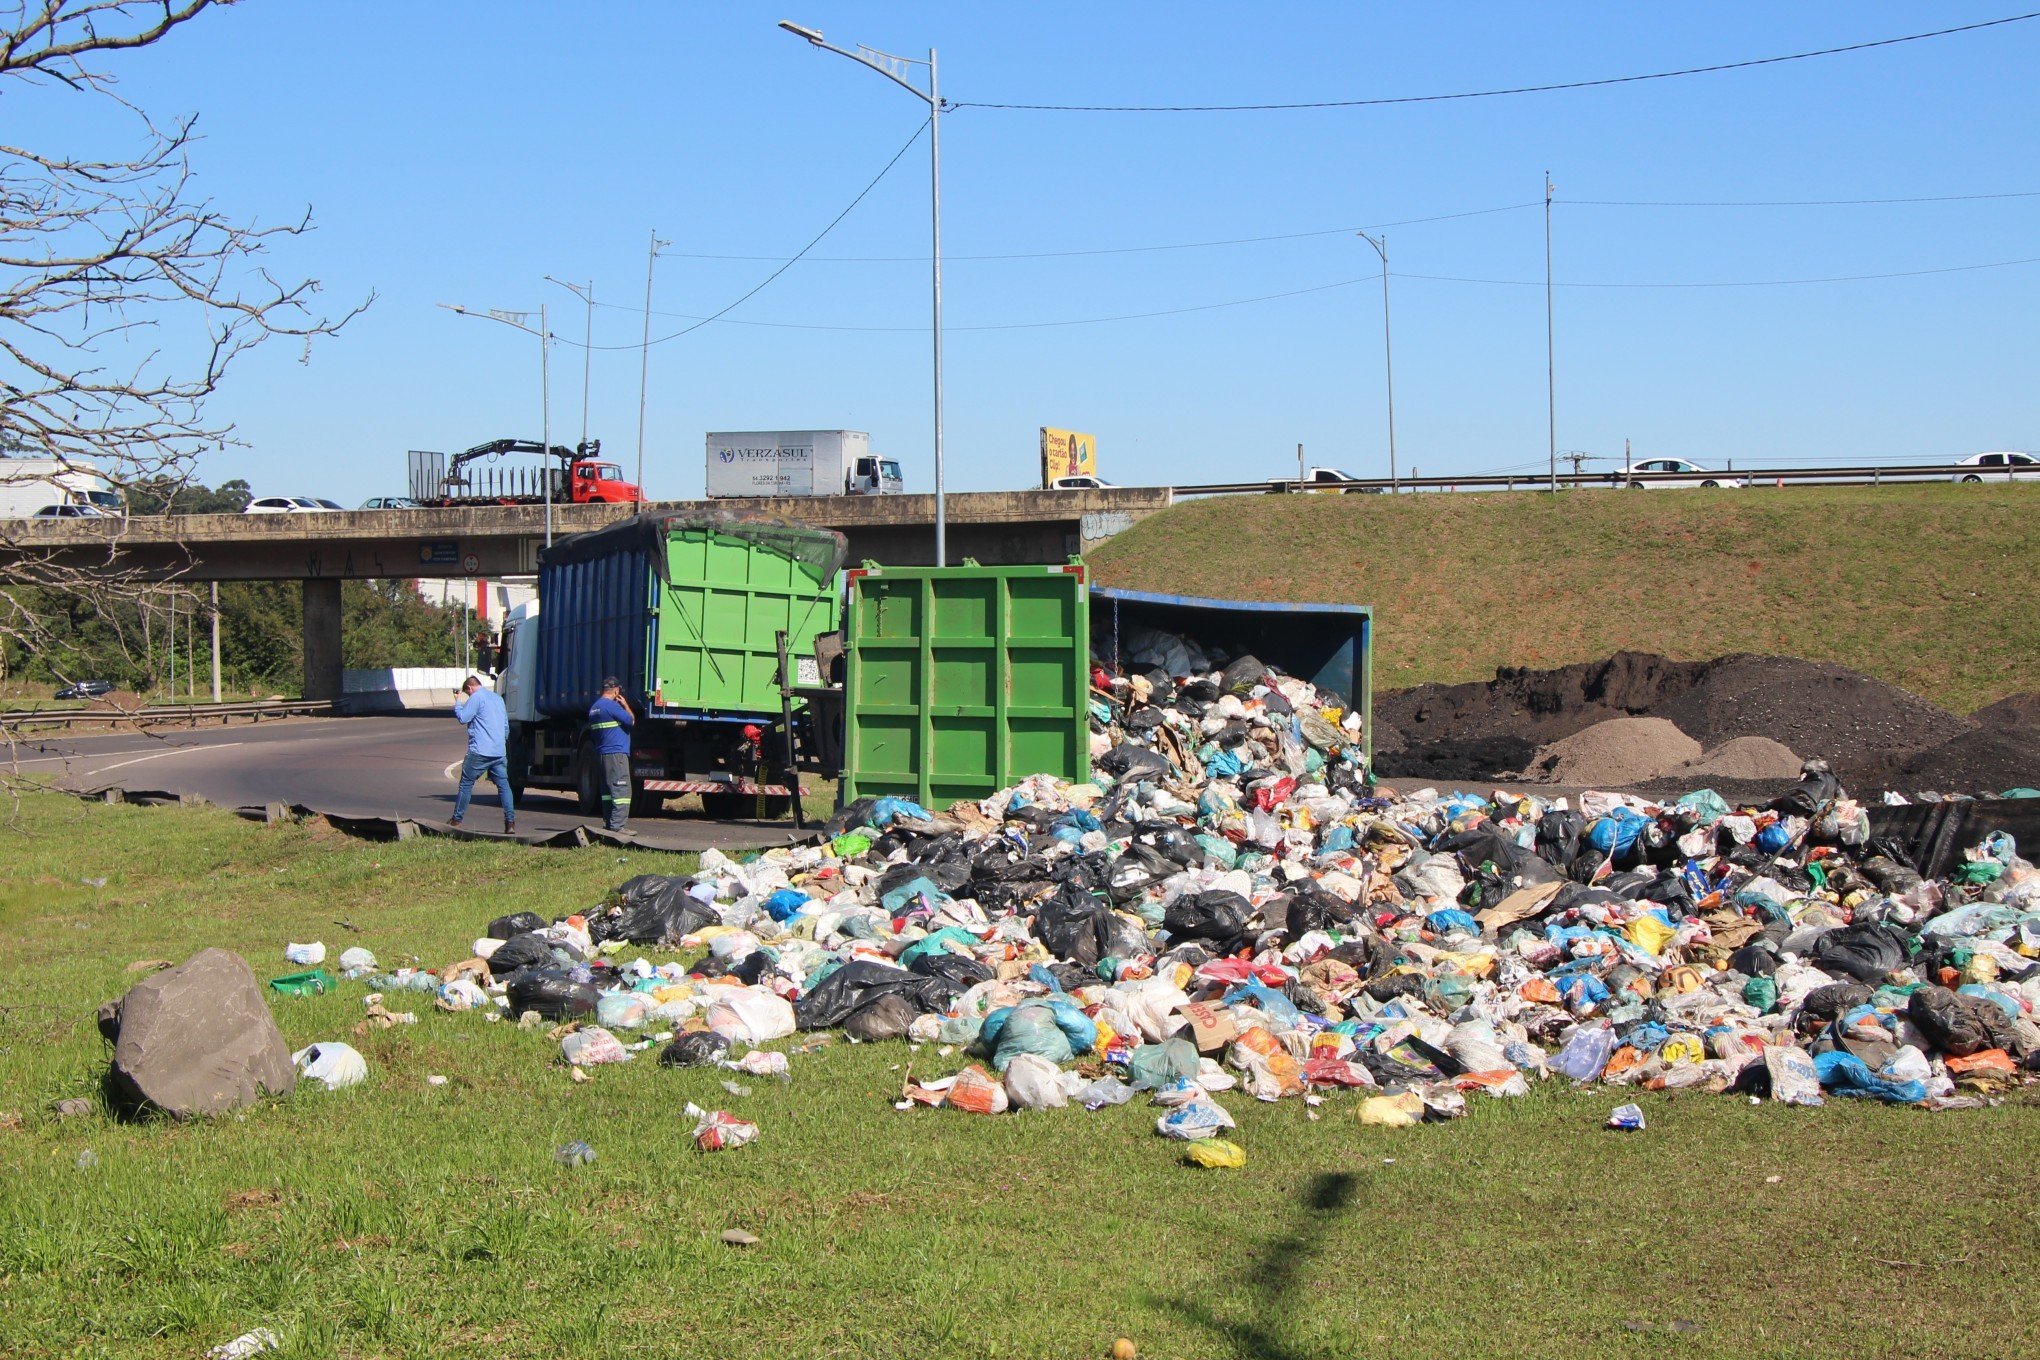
(473,477)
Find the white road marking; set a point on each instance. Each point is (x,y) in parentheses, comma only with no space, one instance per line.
(182,750)
(87,755)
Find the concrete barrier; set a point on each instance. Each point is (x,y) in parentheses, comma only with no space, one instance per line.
(401,689)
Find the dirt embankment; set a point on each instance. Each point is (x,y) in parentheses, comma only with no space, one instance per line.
(1538,723)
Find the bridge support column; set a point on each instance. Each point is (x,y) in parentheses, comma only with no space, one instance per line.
(322,638)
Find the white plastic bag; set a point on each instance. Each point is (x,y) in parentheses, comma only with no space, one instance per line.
(1034,1083)
(587,1047)
(751,1016)
(336,1064)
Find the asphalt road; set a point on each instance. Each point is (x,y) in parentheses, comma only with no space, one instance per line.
(406,766)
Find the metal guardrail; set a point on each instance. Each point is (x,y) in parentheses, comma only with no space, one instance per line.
(1852,476)
(168,713)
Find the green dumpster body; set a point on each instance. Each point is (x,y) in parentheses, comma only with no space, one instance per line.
(961,681)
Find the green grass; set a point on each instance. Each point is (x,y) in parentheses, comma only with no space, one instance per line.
(400,1219)
(1928,586)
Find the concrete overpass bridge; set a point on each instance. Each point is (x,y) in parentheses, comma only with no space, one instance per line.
(322,550)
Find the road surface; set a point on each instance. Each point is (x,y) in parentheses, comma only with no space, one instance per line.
(407,766)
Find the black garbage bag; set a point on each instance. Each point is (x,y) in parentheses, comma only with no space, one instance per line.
(1824,1005)
(849,989)
(1960,1025)
(1071,924)
(1754,960)
(652,910)
(850,816)
(1304,997)
(517,923)
(1393,985)
(1864,952)
(553,993)
(1129,762)
(885,1016)
(695,1048)
(1219,916)
(1485,886)
(753,968)
(1817,787)
(1558,837)
(519,952)
(1892,877)
(1242,675)
(1128,878)
(1121,937)
(1481,844)
(1143,719)
(940,963)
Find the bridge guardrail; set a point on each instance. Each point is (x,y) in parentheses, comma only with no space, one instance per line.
(159,714)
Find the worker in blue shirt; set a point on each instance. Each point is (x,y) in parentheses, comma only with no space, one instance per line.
(609,722)
(488,728)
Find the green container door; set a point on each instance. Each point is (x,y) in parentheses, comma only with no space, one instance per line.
(717,619)
(964,680)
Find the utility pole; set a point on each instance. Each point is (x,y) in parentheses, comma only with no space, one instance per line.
(1299,467)
(215,641)
(1550,357)
(645,355)
(1380,245)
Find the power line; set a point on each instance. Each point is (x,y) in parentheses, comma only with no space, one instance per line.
(1125,250)
(1368,226)
(1493,94)
(1791,202)
(1316,288)
(786,265)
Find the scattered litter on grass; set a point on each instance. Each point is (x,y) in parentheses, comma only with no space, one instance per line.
(574,1154)
(335,1064)
(87,1159)
(305,955)
(737,1237)
(257,1342)
(1628,1118)
(1230,907)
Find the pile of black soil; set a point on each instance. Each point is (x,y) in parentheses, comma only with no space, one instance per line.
(1875,734)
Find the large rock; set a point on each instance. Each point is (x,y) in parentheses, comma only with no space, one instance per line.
(197,1039)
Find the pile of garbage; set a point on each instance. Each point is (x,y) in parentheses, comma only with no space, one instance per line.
(1230,905)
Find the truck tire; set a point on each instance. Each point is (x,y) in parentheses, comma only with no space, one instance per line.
(587,780)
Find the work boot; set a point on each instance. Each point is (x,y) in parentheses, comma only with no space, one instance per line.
(509,826)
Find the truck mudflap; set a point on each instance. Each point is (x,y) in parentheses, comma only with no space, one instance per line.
(738,786)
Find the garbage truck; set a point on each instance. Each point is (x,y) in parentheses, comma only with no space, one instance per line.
(753,660)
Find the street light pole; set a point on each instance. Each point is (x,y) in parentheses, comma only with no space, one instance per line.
(1550,359)
(1387,350)
(520,321)
(645,356)
(587,296)
(889,66)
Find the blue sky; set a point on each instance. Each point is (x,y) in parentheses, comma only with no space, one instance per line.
(460,152)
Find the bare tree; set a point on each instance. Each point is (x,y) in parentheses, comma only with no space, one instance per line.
(125,294)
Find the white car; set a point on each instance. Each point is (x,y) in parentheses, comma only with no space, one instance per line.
(1999,467)
(72,510)
(1079,483)
(287,505)
(1676,472)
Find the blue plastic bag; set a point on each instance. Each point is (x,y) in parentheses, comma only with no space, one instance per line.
(785,904)
(1772,838)
(1449,920)
(886,809)
(1617,831)
(1258,994)
(1845,1074)
(1585,1055)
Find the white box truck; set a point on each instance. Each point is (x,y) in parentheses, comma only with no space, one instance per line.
(798,463)
(28,484)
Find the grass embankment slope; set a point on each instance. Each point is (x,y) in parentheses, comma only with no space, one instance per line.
(400,1218)
(1929,587)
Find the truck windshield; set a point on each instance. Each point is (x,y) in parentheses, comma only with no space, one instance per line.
(105,500)
(608,472)
(889,470)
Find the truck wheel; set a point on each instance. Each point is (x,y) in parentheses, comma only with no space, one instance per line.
(587,781)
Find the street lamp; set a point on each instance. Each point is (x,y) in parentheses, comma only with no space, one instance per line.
(1380,245)
(891,67)
(587,295)
(522,322)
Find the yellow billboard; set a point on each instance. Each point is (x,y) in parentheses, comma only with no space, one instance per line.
(1066,453)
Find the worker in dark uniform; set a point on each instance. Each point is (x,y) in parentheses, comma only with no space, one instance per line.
(610,721)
